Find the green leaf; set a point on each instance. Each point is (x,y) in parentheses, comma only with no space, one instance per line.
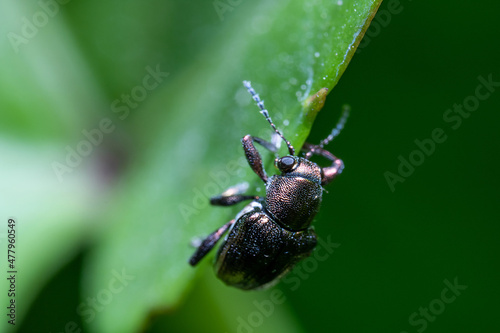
(189,132)
(44,89)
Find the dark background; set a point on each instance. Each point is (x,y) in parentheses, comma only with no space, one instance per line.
(442,221)
(398,247)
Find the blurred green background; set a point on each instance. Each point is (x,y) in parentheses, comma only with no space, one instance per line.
(394,249)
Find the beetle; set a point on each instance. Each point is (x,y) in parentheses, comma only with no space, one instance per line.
(272,233)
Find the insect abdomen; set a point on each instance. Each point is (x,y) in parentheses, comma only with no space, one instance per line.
(258,251)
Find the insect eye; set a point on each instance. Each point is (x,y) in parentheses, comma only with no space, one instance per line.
(286,163)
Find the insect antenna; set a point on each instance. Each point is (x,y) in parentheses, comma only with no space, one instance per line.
(338,128)
(265,113)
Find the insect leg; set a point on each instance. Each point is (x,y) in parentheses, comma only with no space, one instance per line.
(208,243)
(327,173)
(253,156)
(230,200)
(232,196)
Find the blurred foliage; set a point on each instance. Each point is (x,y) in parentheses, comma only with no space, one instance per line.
(102,248)
(124,86)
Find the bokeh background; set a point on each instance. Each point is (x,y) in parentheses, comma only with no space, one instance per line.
(396,247)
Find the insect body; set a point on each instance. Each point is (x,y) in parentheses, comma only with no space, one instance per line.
(271,234)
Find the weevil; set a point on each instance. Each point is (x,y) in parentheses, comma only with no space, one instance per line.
(272,233)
